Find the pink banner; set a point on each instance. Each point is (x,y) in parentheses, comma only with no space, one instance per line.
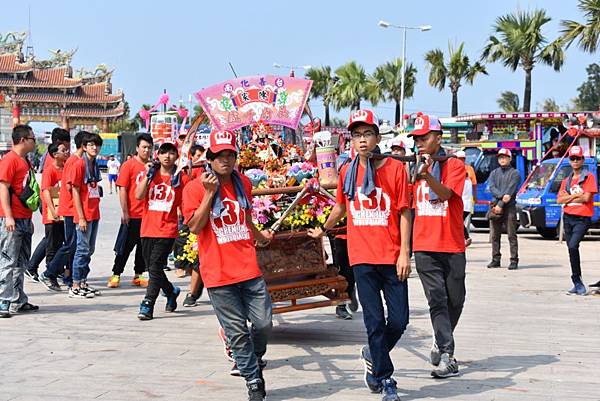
(246,100)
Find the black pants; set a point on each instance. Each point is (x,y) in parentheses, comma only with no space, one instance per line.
(37,256)
(340,259)
(55,238)
(575,229)
(133,240)
(443,278)
(156,251)
(509,217)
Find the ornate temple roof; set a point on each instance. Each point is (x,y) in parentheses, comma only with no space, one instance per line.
(96,93)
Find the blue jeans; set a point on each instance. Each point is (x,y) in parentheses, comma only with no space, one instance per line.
(575,229)
(15,250)
(371,281)
(64,255)
(86,244)
(236,304)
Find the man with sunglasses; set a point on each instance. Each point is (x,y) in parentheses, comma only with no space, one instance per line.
(576,193)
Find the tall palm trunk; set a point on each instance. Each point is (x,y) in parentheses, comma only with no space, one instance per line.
(398,116)
(326,114)
(357,105)
(527,96)
(454,103)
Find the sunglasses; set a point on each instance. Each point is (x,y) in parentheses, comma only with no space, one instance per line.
(575,158)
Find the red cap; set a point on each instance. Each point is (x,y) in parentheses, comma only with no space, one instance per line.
(425,123)
(504,152)
(576,151)
(363,116)
(222,140)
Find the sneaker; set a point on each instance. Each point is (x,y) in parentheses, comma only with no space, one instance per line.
(493,264)
(390,391)
(580,288)
(342,313)
(513,266)
(79,293)
(172,300)
(435,355)
(190,300)
(235,371)
(114,281)
(91,290)
(447,367)
(353,306)
(32,275)
(139,280)
(596,284)
(256,390)
(372,384)
(146,310)
(4,309)
(166,268)
(49,282)
(226,349)
(27,307)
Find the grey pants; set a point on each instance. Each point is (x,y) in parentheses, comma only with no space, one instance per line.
(15,251)
(509,216)
(443,278)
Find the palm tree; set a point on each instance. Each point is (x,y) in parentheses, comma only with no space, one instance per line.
(588,34)
(322,85)
(508,102)
(520,43)
(386,84)
(350,86)
(456,70)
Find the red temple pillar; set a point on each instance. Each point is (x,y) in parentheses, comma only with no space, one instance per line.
(16,114)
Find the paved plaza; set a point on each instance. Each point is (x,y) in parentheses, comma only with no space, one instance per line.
(520,338)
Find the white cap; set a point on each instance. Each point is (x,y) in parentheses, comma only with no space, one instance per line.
(461,154)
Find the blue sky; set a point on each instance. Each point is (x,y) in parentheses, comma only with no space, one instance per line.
(185,45)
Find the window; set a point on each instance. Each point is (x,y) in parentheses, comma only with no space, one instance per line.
(488,163)
(563,173)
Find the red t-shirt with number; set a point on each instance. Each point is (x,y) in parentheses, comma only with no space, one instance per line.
(225,244)
(374,220)
(438,226)
(89,193)
(14,171)
(51,177)
(159,219)
(589,185)
(65,197)
(131,173)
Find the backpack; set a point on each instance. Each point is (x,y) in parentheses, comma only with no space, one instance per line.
(30,196)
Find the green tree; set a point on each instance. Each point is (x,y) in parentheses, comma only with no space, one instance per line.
(338,122)
(588,97)
(350,86)
(455,71)
(386,84)
(508,102)
(521,43)
(549,104)
(322,87)
(588,33)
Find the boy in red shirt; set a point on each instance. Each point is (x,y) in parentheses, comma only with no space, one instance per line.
(84,177)
(161,193)
(438,240)
(576,193)
(374,195)
(132,172)
(217,207)
(16,227)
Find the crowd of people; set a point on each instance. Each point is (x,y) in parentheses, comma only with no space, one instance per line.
(389,218)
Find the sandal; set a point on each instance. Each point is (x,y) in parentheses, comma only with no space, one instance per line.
(27,307)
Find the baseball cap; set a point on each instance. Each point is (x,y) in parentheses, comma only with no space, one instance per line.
(504,152)
(363,116)
(461,154)
(397,142)
(576,151)
(425,123)
(222,140)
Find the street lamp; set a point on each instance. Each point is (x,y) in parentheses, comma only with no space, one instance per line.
(292,67)
(422,28)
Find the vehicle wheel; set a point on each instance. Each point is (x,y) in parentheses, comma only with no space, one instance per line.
(547,233)
(480,223)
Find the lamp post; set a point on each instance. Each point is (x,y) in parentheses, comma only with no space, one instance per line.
(292,67)
(404,28)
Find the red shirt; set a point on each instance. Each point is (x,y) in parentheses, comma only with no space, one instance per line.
(131,173)
(48,161)
(589,185)
(89,193)
(14,170)
(65,198)
(159,219)
(197,171)
(438,227)
(51,177)
(225,244)
(374,220)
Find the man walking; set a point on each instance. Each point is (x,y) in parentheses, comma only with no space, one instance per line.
(438,240)
(576,193)
(504,183)
(112,167)
(375,196)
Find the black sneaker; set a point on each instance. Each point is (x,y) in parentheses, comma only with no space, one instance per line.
(342,313)
(49,282)
(513,266)
(90,289)
(235,371)
(596,284)
(146,310)
(166,268)
(79,293)
(256,390)
(372,384)
(353,306)
(190,300)
(172,300)
(493,264)
(448,367)
(32,275)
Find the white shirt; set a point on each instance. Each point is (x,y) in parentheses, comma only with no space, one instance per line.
(467,196)
(113,167)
